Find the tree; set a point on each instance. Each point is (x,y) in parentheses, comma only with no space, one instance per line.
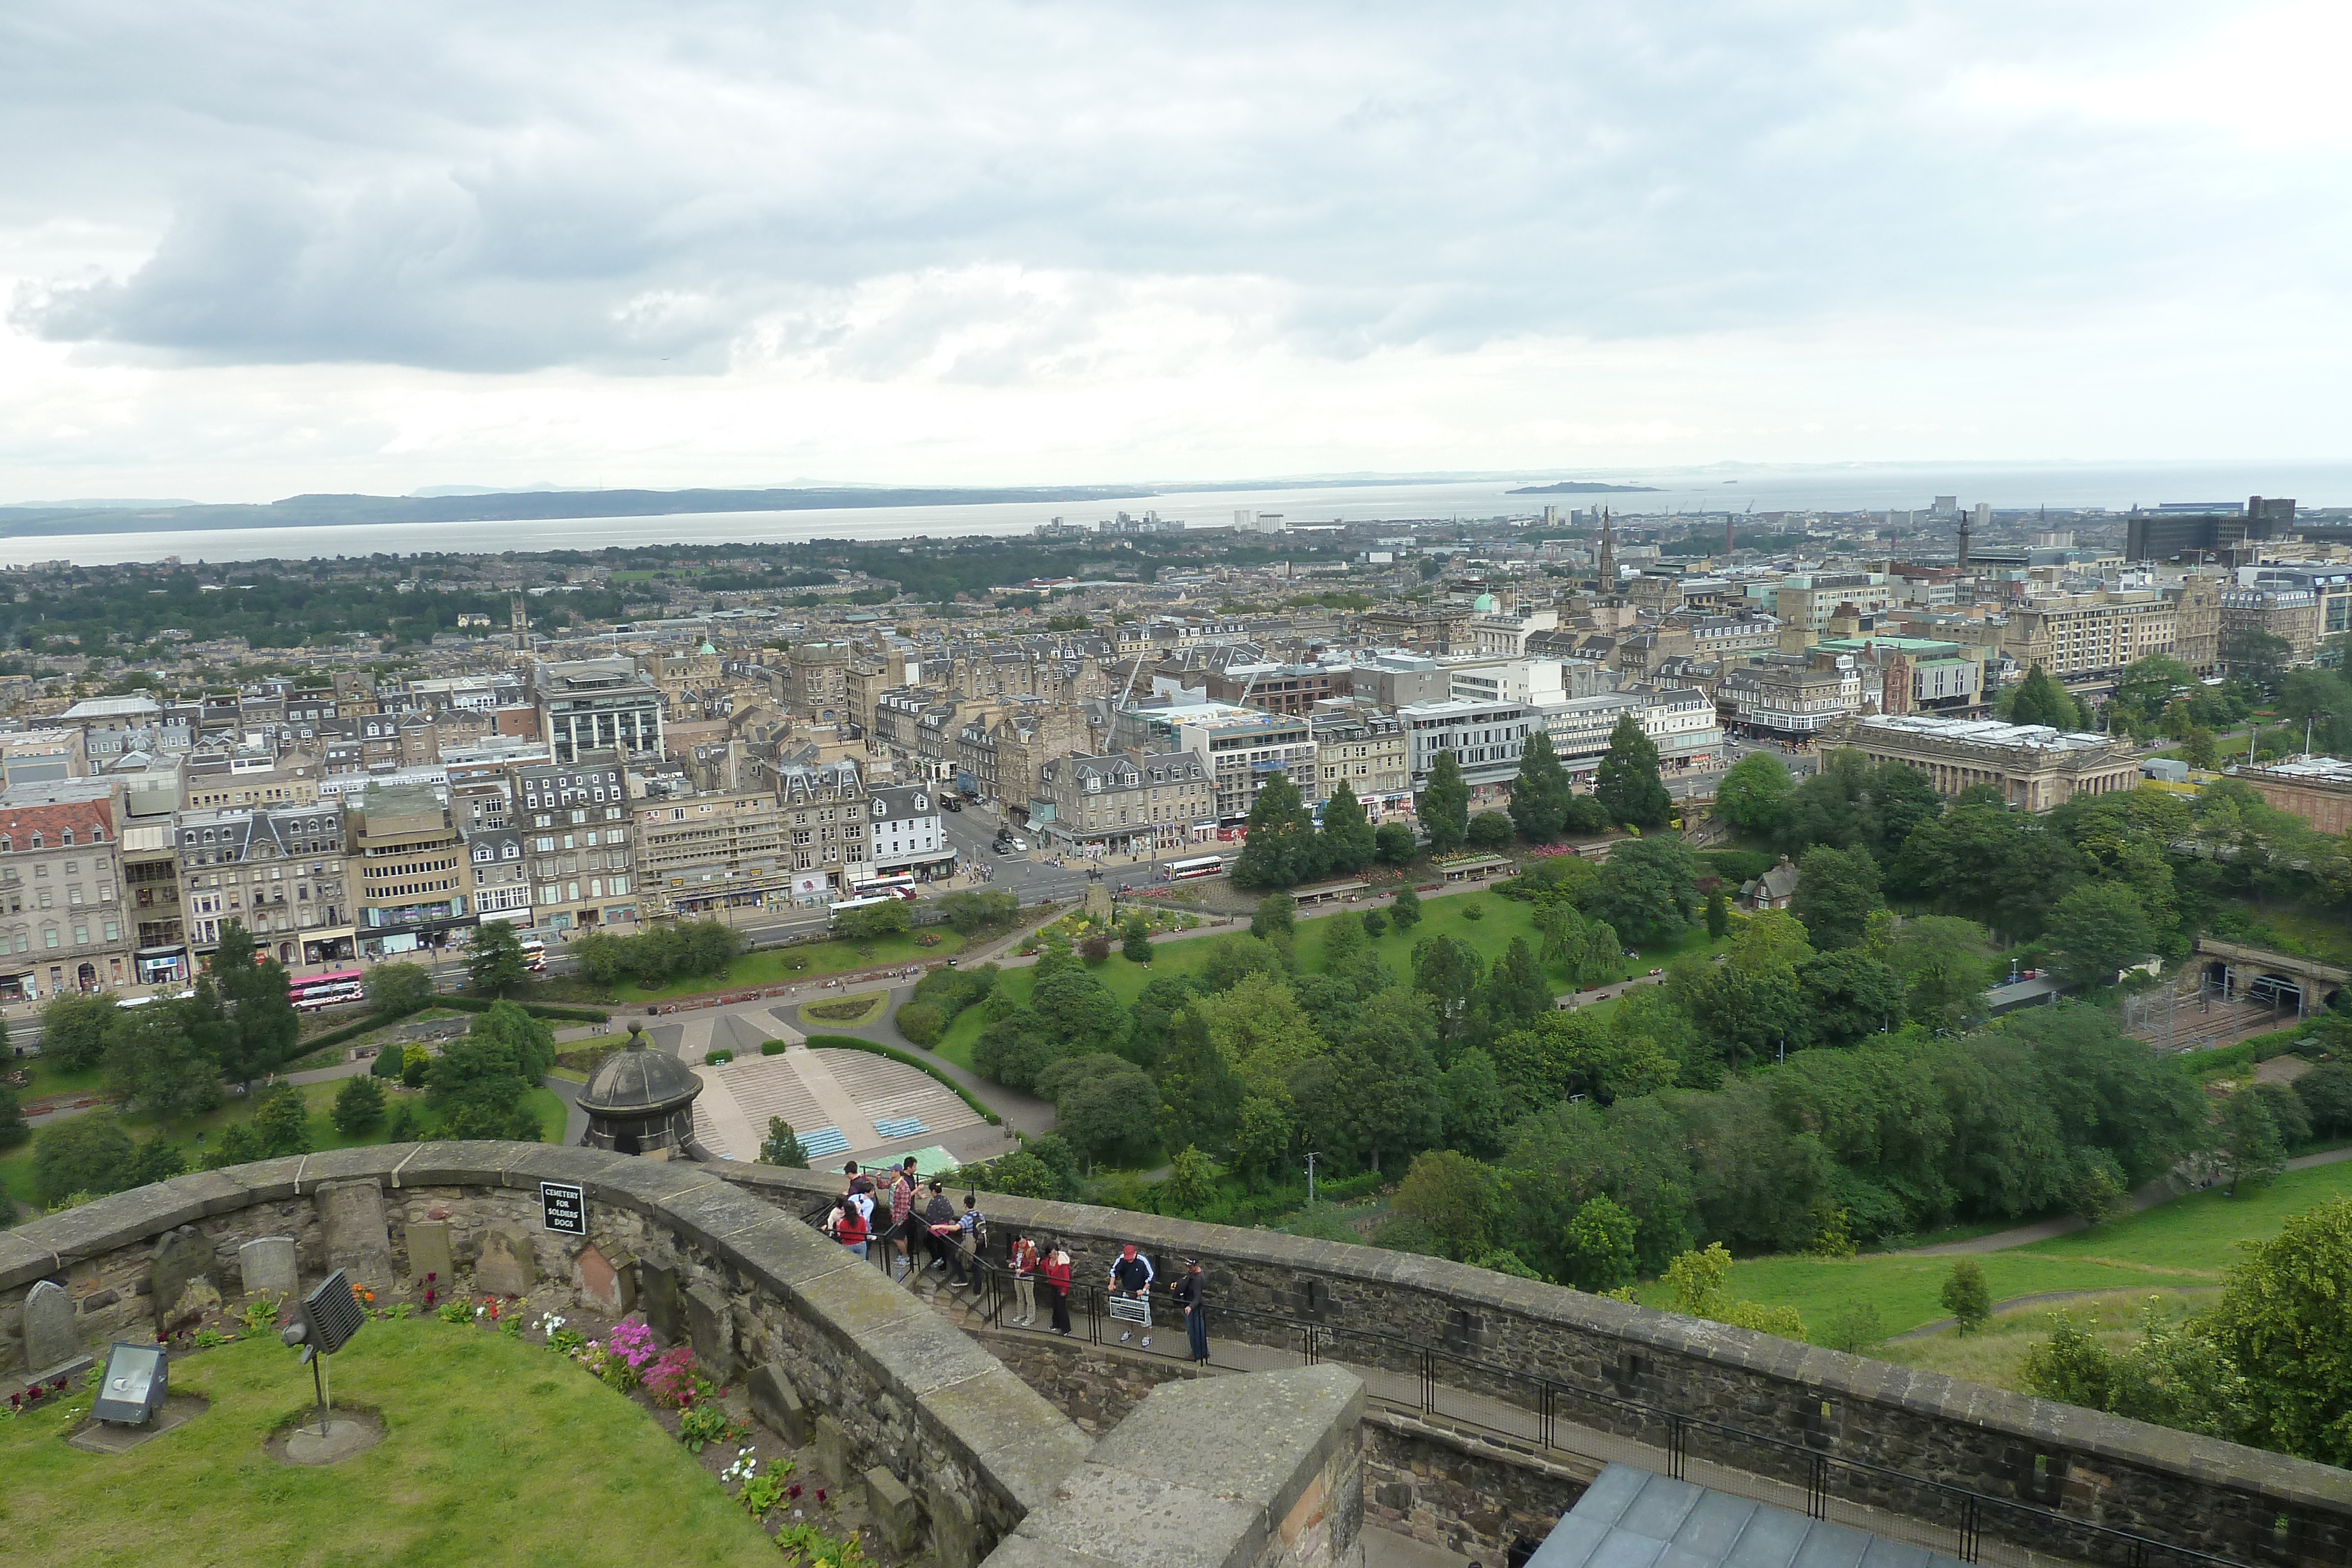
(2099,930)
(1848,995)
(875,922)
(2038,699)
(1966,1296)
(2199,750)
(1753,793)
(1110,1109)
(2326,1094)
(255,1024)
(1262,1139)
(481,1079)
(1646,891)
(1491,831)
(1135,940)
(281,1120)
(1275,913)
(1718,916)
(1348,841)
(781,1148)
(1199,1092)
(1445,805)
(1192,1181)
(1943,966)
(398,989)
(1395,844)
(1540,794)
(1387,1095)
(1474,1109)
(1446,970)
(1515,993)
(1279,848)
(359,1107)
(1406,910)
(73,1029)
(2146,685)
(153,1059)
(89,1153)
(969,914)
(494,960)
(2251,1149)
(2259,657)
(1837,893)
(1343,941)
(1454,1195)
(158,1159)
(1600,1246)
(1626,782)
(14,1128)
(2281,1323)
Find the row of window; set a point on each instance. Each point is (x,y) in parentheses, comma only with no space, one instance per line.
(65,840)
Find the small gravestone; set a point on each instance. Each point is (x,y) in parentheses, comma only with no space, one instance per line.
(50,1339)
(267,1264)
(833,1459)
(710,1331)
(600,1282)
(184,1261)
(892,1507)
(351,1218)
(507,1266)
(429,1254)
(658,1294)
(777,1403)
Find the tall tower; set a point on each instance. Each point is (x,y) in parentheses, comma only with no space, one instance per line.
(519,621)
(1964,542)
(1729,540)
(1608,569)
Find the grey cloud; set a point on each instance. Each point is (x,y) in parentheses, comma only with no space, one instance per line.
(601,188)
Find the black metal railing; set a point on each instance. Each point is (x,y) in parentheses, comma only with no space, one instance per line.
(1450,1387)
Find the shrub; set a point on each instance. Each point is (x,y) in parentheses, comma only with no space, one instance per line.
(1473,912)
(1375,922)
(359,1106)
(416,1066)
(921,1023)
(772,1048)
(716,1058)
(1966,1296)
(1094,948)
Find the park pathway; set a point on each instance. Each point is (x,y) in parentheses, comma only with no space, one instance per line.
(2146,1195)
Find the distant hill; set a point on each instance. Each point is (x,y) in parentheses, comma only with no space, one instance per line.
(537,506)
(1581,487)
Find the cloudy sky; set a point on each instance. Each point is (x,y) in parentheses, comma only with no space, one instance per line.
(250,250)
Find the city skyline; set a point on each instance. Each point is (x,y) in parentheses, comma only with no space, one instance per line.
(1000,246)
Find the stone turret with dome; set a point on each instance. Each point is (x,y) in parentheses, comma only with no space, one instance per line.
(640,1101)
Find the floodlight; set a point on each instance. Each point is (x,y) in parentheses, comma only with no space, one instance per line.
(330,1316)
(137,1377)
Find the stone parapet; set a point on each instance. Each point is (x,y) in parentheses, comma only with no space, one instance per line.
(1492,1332)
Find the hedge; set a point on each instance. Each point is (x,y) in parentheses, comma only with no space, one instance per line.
(2228,1060)
(536,1009)
(851,1042)
(351,1031)
(773,1048)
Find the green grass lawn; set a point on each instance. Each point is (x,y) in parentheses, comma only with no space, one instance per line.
(2183,1245)
(1995,1354)
(1501,919)
(48,1078)
(2203,1230)
(1903,1290)
(497,1451)
(783,966)
(16,1169)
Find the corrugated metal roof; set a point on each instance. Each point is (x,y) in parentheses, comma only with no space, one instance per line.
(1631,1518)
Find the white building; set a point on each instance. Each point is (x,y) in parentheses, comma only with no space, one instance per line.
(1484,737)
(904,832)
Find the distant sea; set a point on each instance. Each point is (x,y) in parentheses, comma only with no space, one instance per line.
(1713,490)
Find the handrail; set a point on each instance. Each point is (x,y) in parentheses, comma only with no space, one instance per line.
(1971,1508)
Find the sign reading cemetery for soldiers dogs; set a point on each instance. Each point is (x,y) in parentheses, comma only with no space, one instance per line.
(563,1206)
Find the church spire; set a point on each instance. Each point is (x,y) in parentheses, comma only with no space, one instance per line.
(1608,570)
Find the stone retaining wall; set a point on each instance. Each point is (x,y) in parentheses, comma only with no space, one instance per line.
(2236,1502)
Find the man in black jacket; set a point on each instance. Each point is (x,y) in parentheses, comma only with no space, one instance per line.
(1191,1294)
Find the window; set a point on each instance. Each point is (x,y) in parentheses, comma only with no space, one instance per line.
(48,937)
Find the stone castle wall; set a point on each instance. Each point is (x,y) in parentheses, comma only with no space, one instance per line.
(1496,1331)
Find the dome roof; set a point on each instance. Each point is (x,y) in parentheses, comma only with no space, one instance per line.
(635,1080)
(1484,605)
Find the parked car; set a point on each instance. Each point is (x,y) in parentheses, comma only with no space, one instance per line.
(950,803)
